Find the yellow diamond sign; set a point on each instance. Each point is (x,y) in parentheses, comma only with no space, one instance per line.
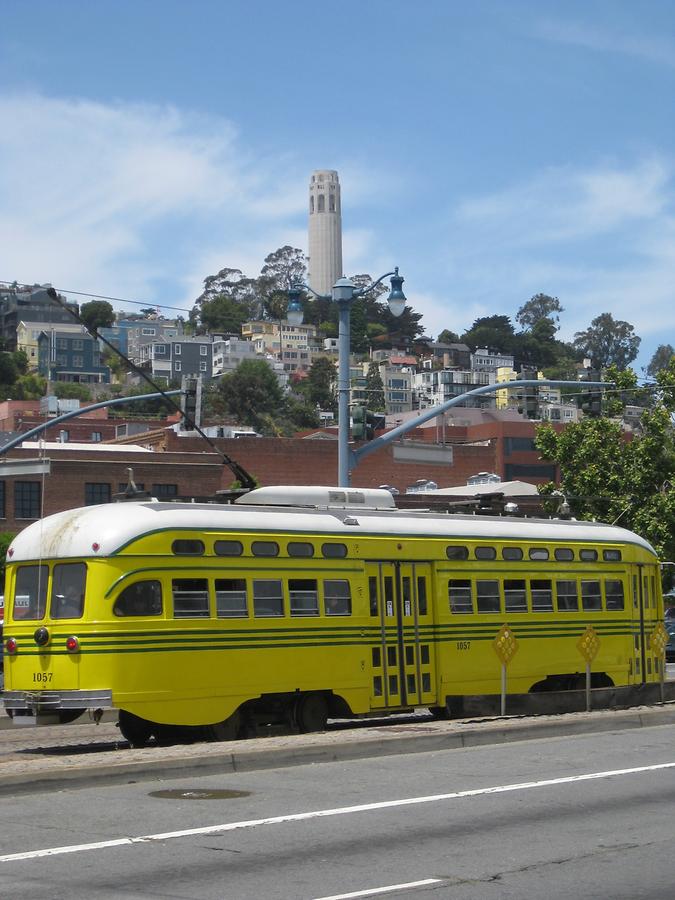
(505,644)
(589,644)
(658,639)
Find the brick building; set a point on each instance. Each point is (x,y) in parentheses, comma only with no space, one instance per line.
(83,477)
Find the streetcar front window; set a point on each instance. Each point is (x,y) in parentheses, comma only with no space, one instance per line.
(68,585)
(30,592)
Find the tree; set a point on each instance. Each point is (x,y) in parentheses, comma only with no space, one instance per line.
(241,293)
(448,337)
(660,359)
(282,269)
(608,341)
(539,307)
(223,314)
(97,314)
(70,390)
(28,387)
(494,332)
(8,369)
(375,400)
(251,393)
(319,386)
(607,477)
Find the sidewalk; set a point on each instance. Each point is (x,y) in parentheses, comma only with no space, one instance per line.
(33,767)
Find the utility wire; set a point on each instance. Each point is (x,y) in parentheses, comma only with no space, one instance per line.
(246,480)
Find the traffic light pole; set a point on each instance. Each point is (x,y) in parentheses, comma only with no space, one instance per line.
(355,456)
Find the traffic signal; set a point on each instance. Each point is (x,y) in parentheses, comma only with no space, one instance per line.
(191,403)
(363,424)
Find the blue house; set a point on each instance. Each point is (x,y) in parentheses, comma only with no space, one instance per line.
(68,356)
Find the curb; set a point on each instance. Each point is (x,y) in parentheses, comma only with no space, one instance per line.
(155,763)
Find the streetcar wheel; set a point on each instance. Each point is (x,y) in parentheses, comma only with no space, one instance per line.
(312,713)
(228,730)
(439,712)
(134,729)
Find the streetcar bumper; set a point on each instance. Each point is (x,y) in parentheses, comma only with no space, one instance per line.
(45,707)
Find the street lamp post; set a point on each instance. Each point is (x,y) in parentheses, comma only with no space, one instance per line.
(344,293)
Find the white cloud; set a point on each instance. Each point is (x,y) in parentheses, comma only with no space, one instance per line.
(130,200)
(648,47)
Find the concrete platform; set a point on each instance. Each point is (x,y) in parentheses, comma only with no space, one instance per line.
(33,763)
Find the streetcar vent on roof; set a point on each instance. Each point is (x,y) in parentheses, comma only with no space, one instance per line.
(319,497)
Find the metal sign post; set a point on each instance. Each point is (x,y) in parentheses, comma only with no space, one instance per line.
(588,645)
(505,646)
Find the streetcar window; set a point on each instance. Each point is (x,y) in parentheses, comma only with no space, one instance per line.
(303,594)
(372,594)
(487,596)
(454,551)
(30,592)
(567,596)
(564,554)
(190,598)
(407,595)
(231,598)
(388,595)
(334,550)
(265,548)
(539,554)
(542,595)
(614,594)
(591,598)
(422,595)
(268,598)
(459,595)
(188,547)
(228,548)
(300,548)
(515,595)
(513,553)
(485,553)
(337,598)
(611,555)
(68,584)
(588,555)
(144,598)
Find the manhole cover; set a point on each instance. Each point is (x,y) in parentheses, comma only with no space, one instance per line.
(199,794)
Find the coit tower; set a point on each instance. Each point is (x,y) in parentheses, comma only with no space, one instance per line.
(325,231)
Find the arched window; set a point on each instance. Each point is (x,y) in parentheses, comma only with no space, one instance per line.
(322,203)
(331,203)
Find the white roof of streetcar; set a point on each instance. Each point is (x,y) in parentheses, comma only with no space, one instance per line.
(99,531)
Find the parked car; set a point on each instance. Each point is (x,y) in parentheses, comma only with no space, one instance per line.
(670,646)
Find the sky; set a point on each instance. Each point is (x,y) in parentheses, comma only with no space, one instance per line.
(491,150)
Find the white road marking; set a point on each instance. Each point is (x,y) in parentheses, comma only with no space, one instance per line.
(382,890)
(326,813)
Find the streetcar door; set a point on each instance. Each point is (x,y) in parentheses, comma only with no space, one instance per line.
(640,598)
(402,650)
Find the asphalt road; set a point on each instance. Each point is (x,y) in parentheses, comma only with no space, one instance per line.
(586,816)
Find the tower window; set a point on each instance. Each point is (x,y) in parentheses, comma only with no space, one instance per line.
(331,202)
(311,204)
(322,203)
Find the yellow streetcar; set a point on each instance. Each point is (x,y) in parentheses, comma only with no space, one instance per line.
(297,604)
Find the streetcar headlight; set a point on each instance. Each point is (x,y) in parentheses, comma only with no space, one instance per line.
(72,644)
